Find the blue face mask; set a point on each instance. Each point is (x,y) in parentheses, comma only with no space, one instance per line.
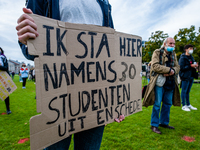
(170,49)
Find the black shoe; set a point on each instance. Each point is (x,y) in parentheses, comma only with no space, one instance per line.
(8,112)
(155,129)
(166,126)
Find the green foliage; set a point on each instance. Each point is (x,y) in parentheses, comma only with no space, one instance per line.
(187,36)
(183,37)
(154,42)
(131,134)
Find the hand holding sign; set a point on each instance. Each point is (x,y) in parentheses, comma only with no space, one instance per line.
(27,29)
(120,119)
(86,77)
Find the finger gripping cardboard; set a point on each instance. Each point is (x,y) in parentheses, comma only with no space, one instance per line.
(87,76)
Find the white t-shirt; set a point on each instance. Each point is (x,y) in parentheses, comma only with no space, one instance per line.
(81,11)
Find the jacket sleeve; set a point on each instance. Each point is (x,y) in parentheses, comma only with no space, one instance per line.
(24,49)
(21,71)
(176,65)
(183,66)
(36,7)
(5,67)
(155,64)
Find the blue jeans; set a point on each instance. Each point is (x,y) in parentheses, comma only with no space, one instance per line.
(85,140)
(186,87)
(165,96)
(20,78)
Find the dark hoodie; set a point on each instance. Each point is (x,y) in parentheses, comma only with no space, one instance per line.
(4,67)
(185,69)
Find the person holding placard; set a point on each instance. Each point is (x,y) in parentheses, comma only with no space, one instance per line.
(4,67)
(96,12)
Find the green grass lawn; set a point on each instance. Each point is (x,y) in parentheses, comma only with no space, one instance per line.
(132,134)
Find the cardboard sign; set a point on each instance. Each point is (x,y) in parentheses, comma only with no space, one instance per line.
(7,86)
(87,76)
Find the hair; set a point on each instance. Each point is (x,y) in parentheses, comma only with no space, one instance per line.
(23,65)
(188,46)
(165,42)
(2,50)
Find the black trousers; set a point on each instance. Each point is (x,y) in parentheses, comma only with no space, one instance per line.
(7,103)
(24,82)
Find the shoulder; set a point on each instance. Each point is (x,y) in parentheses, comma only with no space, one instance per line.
(104,1)
(182,55)
(37,6)
(156,52)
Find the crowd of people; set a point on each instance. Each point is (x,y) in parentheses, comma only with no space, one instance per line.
(163,66)
(163,85)
(23,75)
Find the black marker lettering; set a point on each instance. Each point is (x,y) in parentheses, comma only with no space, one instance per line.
(104,41)
(48,42)
(92,43)
(54,80)
(60,43)
(84,45)
(53,109)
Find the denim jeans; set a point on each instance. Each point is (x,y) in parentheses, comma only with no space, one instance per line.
(186,87)
(85,140)
(165,96)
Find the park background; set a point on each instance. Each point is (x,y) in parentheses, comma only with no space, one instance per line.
(132,133)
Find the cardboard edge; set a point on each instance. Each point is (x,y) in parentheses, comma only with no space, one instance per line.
(122,33)
(31,48)
(38,92)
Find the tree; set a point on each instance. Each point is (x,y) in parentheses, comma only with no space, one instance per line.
(185,36)
(154,42)
(196,54)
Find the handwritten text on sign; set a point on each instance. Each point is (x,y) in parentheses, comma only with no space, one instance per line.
(7,86)
(86,76)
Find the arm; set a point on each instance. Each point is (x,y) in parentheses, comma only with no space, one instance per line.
(183,65)
(176,65)
(156,66)
(22,71)
(193,65)
(5,66)
(27,29)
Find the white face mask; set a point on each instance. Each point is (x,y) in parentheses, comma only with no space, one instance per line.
(190,51)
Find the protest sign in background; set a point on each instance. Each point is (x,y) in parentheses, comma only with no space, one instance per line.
(86,76)
(7,86)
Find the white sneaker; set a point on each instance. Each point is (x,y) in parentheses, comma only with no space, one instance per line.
(23,87)
(185,108)
(191,107)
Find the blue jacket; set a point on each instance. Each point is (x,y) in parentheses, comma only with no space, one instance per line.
(50,8)
(185,68)
(5,64)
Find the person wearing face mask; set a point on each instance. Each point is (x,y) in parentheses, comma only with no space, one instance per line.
(187,64)
(24,74)
(4,67)
(163,62)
